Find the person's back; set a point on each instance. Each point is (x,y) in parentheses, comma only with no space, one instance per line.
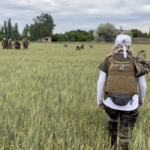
(119,81)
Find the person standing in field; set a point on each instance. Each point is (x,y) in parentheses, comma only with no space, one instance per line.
(17,45)
(4,43)
(119,82)
(25,44)
(9,44)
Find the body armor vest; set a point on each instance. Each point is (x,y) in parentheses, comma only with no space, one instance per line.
(121,78)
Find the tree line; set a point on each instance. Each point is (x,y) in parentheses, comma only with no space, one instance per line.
(8,30)
(108,32)
(74,36)
(138,33)
(43,26)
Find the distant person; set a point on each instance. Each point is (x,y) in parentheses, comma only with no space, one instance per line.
(17,45)
(77,48)
(82,46)
(9,44)
(90,46)
(25,44)
(65,45)
(118,79)
(4,43)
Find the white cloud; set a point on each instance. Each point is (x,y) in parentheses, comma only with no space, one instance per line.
(146,8)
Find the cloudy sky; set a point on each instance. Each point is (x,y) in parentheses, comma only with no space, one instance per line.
(79,14)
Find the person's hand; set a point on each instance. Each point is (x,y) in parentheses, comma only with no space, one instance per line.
(140,104)
(101,106)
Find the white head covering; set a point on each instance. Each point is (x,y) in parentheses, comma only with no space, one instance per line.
(4,38)
(123,40)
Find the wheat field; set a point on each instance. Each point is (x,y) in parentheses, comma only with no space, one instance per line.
(48,99)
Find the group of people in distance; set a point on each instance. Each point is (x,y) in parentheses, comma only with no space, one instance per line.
(82,47)
(79,47)
(7,44)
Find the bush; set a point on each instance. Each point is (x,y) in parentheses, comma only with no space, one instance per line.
(31,38)
(1,37)
(72,39)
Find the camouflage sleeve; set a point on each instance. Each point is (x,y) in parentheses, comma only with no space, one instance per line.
(105,65)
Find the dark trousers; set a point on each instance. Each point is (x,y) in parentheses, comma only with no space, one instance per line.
(127,120)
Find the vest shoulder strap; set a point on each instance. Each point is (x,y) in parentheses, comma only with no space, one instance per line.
(111,58)
(109,55)
(132,57)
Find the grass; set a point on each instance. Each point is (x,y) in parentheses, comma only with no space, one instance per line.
(48,99)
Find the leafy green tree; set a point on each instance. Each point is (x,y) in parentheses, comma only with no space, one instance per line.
(128,32)
(107,32)
(121,29)
(145,35)
(9,28)
(90,32)
(5,28)
(1,29)
(1,37)
(43,26)
(31,38)
(79,35)
(26,30)
(10,31)
(55,38)
(72,39)
(149,34)
(136,33)
(16,32)
(32,32)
